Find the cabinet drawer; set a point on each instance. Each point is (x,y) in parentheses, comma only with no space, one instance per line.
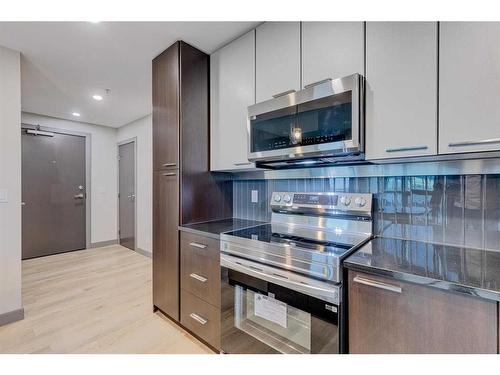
(200,245)
(200,318)
(200,275)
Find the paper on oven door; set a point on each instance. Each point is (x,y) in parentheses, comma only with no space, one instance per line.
(270,309)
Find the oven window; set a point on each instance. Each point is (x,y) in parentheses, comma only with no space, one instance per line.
(291,335)
(319,121)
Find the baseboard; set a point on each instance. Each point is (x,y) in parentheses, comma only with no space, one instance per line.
(11,316)
(146,253)
(94,245)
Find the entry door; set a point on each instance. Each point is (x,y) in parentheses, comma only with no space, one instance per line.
(126,197)
(53,193)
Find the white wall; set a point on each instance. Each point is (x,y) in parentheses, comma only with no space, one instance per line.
(10,180)
(103,172)
(142,129)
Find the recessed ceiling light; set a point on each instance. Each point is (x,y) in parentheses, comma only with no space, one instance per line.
(97,97)
(76,114)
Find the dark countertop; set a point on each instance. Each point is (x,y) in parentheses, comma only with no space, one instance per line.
(470,271)
(214,228)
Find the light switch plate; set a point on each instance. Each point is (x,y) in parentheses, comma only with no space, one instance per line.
(255,196)
(4,196)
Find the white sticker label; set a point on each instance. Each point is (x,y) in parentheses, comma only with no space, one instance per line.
(270,309)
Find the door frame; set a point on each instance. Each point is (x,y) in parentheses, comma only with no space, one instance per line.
(88,169)
(118,144)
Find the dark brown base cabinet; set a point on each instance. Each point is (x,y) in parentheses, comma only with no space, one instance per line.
(201,287)
(389,316)
(184,190)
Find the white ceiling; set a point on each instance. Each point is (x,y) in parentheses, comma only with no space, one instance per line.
(64,63)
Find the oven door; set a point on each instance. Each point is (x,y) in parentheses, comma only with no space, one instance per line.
(261,316)
(325,120)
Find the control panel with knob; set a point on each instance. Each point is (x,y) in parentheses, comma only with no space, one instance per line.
(331,202)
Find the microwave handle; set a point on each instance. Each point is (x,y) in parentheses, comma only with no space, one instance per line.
(256,270)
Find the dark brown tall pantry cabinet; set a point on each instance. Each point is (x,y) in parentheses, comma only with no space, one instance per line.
(184,191)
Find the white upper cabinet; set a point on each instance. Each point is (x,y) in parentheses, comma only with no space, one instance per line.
(401,89)
(469,87)
(331,50)
(232,90)
(277,59)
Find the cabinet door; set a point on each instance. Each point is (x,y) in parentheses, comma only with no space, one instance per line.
(332,50)
(277,59)
(388,316)
(166,242)
(469,87)
(232,90)
(166,109)
(401,89)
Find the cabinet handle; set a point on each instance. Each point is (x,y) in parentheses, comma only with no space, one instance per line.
(198,277)
(377,284)
(283,93)
(409,148)
(170,174)
(317,83)
(474,143)
(198,318)
(246,163)
(198,245)
(169,164)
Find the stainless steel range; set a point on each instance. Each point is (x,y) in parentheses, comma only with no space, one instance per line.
(282,281)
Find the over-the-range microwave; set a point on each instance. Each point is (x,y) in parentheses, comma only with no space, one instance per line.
(321,124)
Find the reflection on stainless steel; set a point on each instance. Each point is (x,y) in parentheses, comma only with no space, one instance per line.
(286,104)
(469,271)
(490,164)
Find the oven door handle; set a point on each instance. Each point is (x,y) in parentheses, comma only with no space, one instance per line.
(326,292)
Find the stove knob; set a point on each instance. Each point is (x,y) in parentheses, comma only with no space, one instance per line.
(287,198)
(360,201)
(346,201)
(277,198)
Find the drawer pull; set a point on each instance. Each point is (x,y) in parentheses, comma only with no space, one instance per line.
(377,284)
(198,277)
(474,143)
(240,164)
(169,164)
(409,148)
(198,245)
(198,318)
(283,93)
(169,174)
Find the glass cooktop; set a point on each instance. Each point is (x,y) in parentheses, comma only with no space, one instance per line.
(265,233)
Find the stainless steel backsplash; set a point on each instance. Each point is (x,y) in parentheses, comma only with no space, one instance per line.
(453,210)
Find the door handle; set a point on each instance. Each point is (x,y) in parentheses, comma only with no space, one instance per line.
(198,277)
(198,245)
(317,83)
(377,284)
(79,196)
(241,164)
(474,143)
(131,197)
(410,148)
(275,96)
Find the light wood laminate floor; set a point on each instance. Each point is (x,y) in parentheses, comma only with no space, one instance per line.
(92,301)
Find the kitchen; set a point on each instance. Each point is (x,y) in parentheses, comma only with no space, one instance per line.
(345,193)
(280,186)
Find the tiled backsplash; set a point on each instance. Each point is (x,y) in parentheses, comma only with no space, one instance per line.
(455,210)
